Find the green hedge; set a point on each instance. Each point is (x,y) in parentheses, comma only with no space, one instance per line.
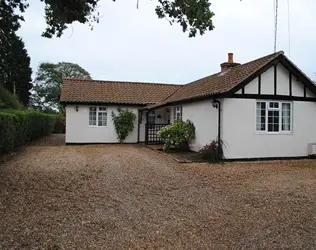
(18,127)
(60,125)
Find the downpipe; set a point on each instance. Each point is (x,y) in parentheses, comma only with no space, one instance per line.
(217,104)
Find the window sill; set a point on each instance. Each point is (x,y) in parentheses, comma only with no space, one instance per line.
(91,126)
(273,133)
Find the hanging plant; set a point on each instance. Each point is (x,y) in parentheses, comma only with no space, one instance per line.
(124,123)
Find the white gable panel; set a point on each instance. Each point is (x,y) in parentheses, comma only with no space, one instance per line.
(267,82)
(252,87)
(297,87)
(309,93)
(239,92)
(283,85)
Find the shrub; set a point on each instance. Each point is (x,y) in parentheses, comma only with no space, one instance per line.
(124,123)
(60,125)
(177,134)
(8,100)
(213,151)
(18,127)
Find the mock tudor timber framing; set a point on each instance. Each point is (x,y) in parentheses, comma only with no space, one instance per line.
(287,65)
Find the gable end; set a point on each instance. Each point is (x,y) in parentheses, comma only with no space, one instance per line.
(278,78)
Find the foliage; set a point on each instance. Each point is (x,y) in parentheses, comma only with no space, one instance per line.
(18,127)
(177,134)
(15,70)
(46,90)
(8,100)
(213,151)
(193,15)
(10,18)
(124,123)
(60,125)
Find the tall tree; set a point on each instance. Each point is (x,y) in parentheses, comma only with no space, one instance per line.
(15,70)
(194,16)
(46,90)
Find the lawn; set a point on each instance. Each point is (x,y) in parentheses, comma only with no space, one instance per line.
(129,196)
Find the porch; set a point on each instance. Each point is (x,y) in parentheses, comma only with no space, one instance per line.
(150,122)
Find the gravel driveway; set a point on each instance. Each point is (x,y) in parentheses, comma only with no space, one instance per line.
(128,196)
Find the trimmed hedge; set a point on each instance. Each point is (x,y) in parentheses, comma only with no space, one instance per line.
(60,125)
(18,127)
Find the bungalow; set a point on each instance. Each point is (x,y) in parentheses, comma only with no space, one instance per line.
(265,108)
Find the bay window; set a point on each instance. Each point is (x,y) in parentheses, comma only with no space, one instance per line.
(273,116)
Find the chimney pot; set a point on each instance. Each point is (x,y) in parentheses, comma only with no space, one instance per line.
(230,57)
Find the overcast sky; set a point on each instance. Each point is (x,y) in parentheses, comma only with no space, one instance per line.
(132,44)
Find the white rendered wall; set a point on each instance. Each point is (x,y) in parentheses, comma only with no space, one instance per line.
(205,118)
(238,131)
(79,131)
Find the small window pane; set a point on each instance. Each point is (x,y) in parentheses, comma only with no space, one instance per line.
(102,119)
(178,113)
(273,120)
(261,116)
(92,116)
(274,105)
(102,108)
(151,117)
(286,117)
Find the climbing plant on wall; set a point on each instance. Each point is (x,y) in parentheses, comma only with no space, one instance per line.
(123,123)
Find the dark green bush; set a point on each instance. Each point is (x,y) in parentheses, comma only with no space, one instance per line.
(60,125)
(18,127)
(213,151)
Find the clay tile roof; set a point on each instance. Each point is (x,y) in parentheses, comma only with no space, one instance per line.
(155,94)
(91,91)
(220,82)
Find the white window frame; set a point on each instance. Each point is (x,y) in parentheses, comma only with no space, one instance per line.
(177,110)
(280,117)
(97,116)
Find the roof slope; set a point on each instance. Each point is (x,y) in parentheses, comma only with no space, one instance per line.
(220,82)
(90,91)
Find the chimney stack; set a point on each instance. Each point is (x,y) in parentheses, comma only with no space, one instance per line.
(230,64)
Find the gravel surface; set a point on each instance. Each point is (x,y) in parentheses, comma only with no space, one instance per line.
(51,140)
(129,196)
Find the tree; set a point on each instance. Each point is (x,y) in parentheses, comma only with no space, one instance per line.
(46,90)
(15,70)
(194,16)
